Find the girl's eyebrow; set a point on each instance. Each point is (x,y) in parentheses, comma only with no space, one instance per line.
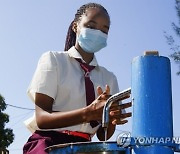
(92,21)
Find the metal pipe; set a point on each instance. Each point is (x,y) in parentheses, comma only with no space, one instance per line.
(113,98)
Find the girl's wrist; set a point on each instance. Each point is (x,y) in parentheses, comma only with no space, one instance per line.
(86,114)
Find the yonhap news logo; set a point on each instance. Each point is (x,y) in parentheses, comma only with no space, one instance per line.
(124,139)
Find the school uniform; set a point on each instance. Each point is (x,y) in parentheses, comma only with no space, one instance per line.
(60,76)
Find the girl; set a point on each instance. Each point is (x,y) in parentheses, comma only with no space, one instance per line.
(67,108)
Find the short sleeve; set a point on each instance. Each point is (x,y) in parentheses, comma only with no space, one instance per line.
(45,77)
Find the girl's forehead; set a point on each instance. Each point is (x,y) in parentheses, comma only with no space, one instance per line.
(94,13)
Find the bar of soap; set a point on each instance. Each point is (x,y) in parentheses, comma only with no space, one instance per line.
(151,53)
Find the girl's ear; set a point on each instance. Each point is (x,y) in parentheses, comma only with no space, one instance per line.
(74,27)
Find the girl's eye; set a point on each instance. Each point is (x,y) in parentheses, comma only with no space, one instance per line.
(104,32)
(91,27)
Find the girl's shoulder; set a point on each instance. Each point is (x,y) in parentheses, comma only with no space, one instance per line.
(106,72)
(59,54)
(54,55)
(53,59)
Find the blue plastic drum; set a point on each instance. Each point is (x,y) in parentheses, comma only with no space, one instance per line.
(89,148)
(152,101)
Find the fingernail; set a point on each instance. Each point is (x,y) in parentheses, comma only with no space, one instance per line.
(114,122)
(111,113)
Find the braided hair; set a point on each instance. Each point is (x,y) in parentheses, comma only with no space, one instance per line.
(71,35)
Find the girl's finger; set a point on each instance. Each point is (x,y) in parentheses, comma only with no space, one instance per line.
(119,122)
(99,90)
(126,105)
(126,115)
(123,98)
(116,114)
(107,90)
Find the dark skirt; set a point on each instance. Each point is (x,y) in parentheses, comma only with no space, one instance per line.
(43,139)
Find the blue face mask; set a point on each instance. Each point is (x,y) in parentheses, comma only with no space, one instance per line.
(92,40)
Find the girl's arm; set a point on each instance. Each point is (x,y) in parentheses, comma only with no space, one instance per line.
(48,119)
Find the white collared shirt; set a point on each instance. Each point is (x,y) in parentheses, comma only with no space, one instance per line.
(60,76)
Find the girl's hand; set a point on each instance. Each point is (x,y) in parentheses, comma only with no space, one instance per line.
(96,107)
(117,114)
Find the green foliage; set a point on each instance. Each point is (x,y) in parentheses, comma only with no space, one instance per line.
(175,47)
(7,137)
(2,104)
(6,134)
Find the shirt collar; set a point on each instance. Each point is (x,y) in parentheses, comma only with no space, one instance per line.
(75,54)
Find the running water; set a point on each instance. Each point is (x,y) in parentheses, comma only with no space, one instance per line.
(105,134)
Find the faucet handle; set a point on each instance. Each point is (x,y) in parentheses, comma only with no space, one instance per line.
(120,95)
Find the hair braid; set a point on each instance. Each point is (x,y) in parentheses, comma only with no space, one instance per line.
(71,35)
(70,38)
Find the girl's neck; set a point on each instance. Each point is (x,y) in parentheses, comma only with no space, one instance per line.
(87,57)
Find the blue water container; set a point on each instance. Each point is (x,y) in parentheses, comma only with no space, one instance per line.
(152,101)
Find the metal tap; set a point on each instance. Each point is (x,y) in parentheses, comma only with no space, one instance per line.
(110,100)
